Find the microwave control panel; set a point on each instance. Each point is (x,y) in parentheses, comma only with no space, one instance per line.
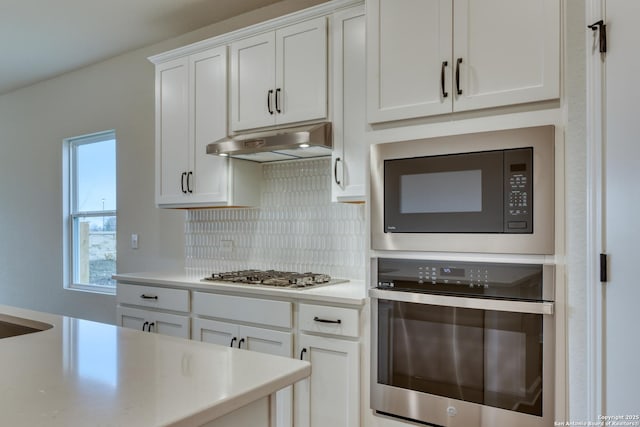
(518,188)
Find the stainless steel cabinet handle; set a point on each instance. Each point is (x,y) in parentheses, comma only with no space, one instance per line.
(317,319)
(335,171)
(444,93)
(458,62)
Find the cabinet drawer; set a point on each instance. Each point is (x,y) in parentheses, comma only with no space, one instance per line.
(243,309)
(329,320)
(151,296)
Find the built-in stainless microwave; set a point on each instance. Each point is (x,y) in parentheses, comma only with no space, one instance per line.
(481,192)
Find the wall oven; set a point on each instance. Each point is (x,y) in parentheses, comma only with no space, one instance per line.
(463,343)
(482,192)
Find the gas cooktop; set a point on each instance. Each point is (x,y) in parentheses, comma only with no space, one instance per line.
(280,279)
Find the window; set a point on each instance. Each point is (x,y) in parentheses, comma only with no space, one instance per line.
(90,212)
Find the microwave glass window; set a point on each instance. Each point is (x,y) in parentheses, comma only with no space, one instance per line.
(441,192)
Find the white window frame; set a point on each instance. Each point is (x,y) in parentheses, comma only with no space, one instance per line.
(71,213)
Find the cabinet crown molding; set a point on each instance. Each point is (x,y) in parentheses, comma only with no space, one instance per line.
(272,24)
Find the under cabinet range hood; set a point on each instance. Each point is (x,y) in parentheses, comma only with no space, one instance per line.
(301,142)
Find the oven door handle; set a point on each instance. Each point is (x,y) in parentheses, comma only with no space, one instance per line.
(464,302)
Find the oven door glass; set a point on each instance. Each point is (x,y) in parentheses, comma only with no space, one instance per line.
(487,357)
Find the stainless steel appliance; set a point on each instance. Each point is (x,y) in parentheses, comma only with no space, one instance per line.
(298,142)
(280,279)
(463,343)
(482,192)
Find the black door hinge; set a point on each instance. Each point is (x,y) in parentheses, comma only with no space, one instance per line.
(603,268)
(601,27)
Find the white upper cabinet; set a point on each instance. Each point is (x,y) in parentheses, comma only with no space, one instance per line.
(350,148)
(172,130)
(280,76)
(409,46)
(191,111)
(428,57)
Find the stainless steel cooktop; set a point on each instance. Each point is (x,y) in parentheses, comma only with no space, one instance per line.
(280,279)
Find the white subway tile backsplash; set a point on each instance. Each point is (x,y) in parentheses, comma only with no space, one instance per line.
(296,228)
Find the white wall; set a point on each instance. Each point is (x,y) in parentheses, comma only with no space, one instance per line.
(115,94)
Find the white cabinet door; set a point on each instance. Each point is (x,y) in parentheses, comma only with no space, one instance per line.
(350,149)
(301,72)
(215,332)
(208,86)
(252,82)
(510,52)
(280,77)
(254,339)
(408,56)
(331,396)
(154,321)
(172,131)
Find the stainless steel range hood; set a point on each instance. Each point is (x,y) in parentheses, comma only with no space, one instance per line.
(299,142)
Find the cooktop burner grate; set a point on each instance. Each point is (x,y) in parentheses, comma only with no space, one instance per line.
(282,279)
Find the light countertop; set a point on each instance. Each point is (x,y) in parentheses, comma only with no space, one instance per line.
(353,292)
(82,373)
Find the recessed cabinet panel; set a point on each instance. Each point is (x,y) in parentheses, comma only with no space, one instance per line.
(172,129)
(331,396)
(252,82)
(409,42)
(428,57)
(301,72)
(350,148)
(209,88)
(280,76)
(510,51)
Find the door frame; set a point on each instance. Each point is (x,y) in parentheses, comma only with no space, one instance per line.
(595,132)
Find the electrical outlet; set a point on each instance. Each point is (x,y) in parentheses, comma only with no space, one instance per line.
(134,241)
(227,246)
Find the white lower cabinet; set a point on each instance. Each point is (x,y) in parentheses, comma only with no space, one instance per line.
(154,321)
(153,309)
(328,338)
(331,395)
(253,338)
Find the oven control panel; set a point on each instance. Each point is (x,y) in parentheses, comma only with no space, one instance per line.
(506,280)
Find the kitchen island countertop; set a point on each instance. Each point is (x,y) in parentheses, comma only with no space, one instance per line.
(83,373)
